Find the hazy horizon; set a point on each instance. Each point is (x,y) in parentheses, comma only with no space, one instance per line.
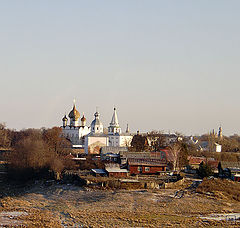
(165,65)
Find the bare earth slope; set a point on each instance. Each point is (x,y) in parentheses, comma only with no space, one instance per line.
(72,206)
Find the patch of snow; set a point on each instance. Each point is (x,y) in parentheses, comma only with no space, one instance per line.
(219,217)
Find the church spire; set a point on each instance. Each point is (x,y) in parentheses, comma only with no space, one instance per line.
(114,125)
(220,135)
(114,121)
(127,129)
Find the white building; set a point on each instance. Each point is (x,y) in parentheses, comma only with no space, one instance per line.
(74,131)
(217,147)
(96,139)
(115,135)
(92,138)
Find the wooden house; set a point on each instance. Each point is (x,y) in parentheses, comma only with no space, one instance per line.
(146,166)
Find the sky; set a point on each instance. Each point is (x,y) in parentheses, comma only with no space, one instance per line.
(165,65)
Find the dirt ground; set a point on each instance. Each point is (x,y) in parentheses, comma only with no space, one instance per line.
(71,206)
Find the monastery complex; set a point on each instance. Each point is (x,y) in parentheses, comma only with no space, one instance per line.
(93,138)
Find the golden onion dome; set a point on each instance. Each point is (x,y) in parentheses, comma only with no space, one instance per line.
(64,118)
(74,114)
(83,118)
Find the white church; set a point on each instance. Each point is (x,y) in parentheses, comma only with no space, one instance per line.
(92,138)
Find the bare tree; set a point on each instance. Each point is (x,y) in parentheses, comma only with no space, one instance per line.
(139,143)
(175,150)
(55,141)
(4,136)
(157,140)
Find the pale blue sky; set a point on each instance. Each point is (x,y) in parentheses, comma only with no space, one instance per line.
(166,65)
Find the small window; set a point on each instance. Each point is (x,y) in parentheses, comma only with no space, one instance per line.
(139,168)
(147,169)
(97,128)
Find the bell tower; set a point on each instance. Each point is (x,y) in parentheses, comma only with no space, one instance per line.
(114,125)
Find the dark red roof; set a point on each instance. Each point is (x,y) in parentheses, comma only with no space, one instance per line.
(147,162)
(197,160)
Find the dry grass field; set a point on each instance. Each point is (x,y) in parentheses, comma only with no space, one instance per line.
(221,188)
(72,206)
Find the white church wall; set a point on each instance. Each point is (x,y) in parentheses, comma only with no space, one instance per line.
(75,134)
(93,144)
